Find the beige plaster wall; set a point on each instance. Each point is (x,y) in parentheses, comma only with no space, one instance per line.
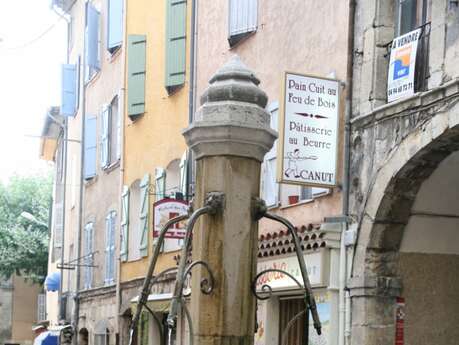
(25,298)
(430,288)
(306,37)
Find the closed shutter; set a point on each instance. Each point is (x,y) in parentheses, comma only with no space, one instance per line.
(175,43)
(160,183)
(114,24)
(124,224)
(136,75)
(108,226)
(144,208)
(90,147)
(69,90)
(183,174)
(88,260)
(105,137)
(242,19)
(92,37)
(58,230)
(118,124)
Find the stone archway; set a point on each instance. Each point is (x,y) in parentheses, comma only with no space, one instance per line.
(381,272)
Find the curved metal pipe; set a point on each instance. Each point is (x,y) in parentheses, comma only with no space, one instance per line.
(148,278)
(311,303)
(172,317)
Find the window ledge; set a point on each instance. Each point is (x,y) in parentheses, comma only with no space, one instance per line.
(111,167)
(235,40)
(90,181)
(113,56)
(299,203)
(93,78)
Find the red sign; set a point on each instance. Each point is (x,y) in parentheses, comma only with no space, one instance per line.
(165,210)
(399,321)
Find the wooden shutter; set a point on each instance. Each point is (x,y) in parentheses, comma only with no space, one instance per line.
(112,246)
(92,37)
(136,75)
(160,183)
(114,24)
(144,208)
(175,43)
(41,307)
(124,224)
(69,90)
(183,174)
(88,249)
(118,124)
(105,137)
(242,19)
(108,226)
(90,147)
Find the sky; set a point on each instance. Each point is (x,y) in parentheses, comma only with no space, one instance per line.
(32,48)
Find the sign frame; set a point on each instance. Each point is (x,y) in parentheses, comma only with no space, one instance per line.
(280,145)
(158,203)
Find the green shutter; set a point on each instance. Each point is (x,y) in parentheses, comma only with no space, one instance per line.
(136,74)
(124,224)
(144,207)
(160,183)
(175,43)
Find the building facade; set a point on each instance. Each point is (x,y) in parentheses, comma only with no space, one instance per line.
(157,79)
(404,163)
(272,37)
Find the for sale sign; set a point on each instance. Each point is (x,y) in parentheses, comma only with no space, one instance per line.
(400,79)
(309,130)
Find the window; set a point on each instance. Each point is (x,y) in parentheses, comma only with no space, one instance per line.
(175,44)
(110,150)
(270,188)
(242,19)
(92,39)
(114,25)
(110,231)
(410,14)
(136,56)
(124,224)
(88,255)
(137,202)
(69,90)
(90,146)
(101,333)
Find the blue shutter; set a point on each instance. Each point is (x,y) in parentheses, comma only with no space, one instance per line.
(90,147)
(242,19)
(69,90)
(115,24)
(108,226)
(175,43)
(92,38)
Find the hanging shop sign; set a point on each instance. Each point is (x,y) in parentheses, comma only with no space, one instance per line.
(309,131)
(400,79)
(166,209)
(279,281)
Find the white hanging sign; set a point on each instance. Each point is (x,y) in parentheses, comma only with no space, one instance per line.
(309,131)
(400,79)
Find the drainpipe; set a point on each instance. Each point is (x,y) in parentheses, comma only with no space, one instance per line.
(192,92)
(76,311)
(121,104)
(344,298)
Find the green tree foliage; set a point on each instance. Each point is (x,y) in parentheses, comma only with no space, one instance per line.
(24,242)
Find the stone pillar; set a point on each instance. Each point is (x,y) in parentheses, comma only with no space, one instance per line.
(229,138)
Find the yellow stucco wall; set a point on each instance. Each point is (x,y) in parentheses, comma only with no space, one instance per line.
(155,139)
